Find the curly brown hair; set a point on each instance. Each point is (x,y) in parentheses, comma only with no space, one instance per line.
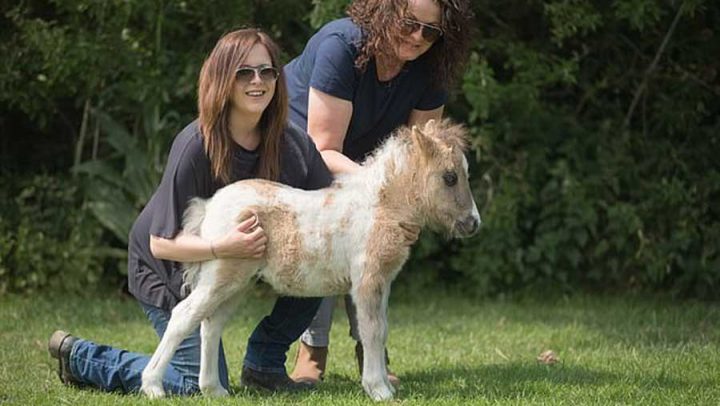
(379,19)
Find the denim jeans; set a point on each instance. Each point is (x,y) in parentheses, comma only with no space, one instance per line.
(112,369)
(269,343)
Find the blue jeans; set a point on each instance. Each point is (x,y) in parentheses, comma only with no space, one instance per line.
(269,343)
(110,369)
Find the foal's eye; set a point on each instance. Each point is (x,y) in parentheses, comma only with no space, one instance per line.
(450,178)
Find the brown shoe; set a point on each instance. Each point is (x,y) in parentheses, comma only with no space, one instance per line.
(59,346)
(394,380)
(309,364)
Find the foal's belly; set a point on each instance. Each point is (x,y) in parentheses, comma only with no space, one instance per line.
(307,280)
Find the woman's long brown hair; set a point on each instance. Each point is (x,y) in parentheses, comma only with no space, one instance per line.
(215,89)
(448,55)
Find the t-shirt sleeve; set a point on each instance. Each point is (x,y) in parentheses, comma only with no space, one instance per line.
(432,98)
(178,186)
(334,69)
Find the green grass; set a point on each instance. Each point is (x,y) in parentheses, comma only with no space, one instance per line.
(446,350)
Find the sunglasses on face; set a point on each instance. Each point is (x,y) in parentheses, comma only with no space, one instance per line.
(430,33)
(248,73)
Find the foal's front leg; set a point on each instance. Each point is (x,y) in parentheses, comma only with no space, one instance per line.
(371,297)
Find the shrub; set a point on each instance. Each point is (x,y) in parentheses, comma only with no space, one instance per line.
(581,188)
(47,237)
(595,135)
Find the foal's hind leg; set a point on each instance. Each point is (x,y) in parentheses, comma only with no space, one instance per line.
(210,333)
(184,319)
(371,298)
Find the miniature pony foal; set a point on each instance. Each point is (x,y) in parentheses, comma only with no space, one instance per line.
(345,238)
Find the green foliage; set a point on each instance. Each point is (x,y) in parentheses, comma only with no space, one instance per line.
(639,14)
(574,194)
(568,18)
(327,10)
(48,239)
(595,133)
(119,185)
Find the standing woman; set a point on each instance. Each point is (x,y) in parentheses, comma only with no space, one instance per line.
(390,63)
(242,132)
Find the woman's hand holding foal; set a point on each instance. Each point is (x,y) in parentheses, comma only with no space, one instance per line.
(246,240)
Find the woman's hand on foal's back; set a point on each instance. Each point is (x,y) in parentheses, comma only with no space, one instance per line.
(246,240)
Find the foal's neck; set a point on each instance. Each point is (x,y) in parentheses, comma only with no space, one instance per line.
(396,187)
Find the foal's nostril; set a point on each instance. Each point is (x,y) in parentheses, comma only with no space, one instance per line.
(474,225)
(469,225)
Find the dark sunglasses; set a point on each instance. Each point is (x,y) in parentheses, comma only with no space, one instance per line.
(248,73)
(430,33)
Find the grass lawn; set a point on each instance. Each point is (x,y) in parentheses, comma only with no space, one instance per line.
(446,350)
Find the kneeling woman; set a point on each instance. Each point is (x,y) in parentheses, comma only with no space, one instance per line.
(242,132)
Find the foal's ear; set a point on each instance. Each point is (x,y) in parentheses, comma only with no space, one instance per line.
(430,126)
(426,145)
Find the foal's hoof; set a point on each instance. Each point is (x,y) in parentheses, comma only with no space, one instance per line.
(153,391)
(215,391)
(379,392)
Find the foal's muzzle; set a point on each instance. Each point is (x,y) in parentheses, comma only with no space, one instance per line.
(467,226)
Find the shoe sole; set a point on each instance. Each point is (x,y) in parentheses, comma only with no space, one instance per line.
(255,386)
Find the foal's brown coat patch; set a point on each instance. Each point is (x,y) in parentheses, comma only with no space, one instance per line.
(284,250)
(285,246)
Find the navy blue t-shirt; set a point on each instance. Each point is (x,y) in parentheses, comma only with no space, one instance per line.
(187,175)
(328,64)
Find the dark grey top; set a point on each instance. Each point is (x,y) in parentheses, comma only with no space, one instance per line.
(187,175)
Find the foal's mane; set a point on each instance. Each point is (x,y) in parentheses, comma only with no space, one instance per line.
(448,133)
(397,150)
(445,133)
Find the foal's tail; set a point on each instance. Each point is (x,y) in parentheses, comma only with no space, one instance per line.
(192,221)
(194,216)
